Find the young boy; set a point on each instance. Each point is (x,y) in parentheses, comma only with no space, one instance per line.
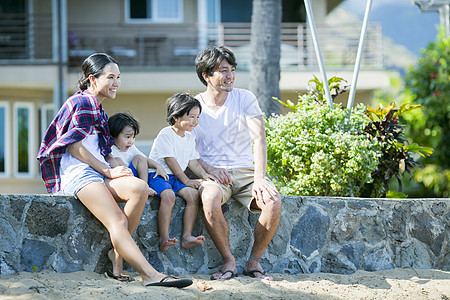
(124,128)
(174,150)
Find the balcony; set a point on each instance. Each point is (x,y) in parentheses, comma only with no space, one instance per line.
(27,39)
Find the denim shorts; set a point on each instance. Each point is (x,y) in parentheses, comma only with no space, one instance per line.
(82,179)
(159,184)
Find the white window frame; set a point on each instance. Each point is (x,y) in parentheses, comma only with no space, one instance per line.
(31,138)
(154,18)
(7,153)
(43,109)
(217,14)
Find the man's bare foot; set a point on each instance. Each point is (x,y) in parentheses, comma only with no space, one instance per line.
(188,241)
(165,244)
(117,262)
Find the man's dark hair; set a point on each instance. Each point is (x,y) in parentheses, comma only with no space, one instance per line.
(118,121)
(180,104)
(210,58)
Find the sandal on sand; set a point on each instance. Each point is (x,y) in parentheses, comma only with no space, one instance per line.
(233,274)
(251,273)
(178,283)
(122,277)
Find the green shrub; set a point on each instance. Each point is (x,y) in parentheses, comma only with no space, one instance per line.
(317,151)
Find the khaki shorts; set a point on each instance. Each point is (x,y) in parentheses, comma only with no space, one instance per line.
(240,188)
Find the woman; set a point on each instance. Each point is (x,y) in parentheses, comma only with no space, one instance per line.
(75,159)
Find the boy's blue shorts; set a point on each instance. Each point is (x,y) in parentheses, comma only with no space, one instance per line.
(159,184)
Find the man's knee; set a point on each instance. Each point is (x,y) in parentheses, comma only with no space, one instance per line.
(273,205)
(211,201)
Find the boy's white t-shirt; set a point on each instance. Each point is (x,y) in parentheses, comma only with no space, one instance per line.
(222,136)
(170,144)
(126,156)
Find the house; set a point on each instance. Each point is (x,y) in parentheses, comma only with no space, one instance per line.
(42,44)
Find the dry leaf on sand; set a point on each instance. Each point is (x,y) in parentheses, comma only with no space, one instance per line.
(202,286)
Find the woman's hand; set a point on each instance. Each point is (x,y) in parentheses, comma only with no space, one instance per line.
(119,171)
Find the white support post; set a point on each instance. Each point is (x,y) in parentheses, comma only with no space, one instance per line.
(362,38)
(312,27)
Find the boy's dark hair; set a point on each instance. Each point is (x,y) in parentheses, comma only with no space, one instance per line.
(208,60)
(180,104)
(118,121)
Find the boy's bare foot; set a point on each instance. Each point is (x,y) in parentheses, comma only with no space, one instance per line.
(165,244)
(189,241)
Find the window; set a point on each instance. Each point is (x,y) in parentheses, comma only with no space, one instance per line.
(157,11)
(24,162)
(5,156)
(45,118)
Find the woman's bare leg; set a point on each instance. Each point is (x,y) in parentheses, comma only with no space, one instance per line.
(192,198)
(126,189)
(99,201)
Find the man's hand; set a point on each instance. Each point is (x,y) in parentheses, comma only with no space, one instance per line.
(221,176)
(119,171)
(262,191)
(208,176)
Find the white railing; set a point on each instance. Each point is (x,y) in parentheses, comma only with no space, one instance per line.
(26,38)
(338,45)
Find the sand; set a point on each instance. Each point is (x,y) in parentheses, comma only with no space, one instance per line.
(389,284)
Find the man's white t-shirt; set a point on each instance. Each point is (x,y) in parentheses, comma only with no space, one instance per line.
(170,144)
(223,137)
(126,156)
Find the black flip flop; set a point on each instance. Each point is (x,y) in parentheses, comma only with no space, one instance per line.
(233,274)
(251,273)
(179,283)
(122,277)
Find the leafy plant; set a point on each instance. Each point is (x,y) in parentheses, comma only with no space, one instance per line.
(316,89)
(35,269)
(315,150)
(428,83)
(318,151)
(395,160)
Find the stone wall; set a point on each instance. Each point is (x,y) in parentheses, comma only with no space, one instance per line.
(316,234)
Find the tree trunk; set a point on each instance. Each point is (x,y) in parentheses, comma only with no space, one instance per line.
(265,54)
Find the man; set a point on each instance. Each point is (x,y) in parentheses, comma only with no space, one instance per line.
(231,121)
